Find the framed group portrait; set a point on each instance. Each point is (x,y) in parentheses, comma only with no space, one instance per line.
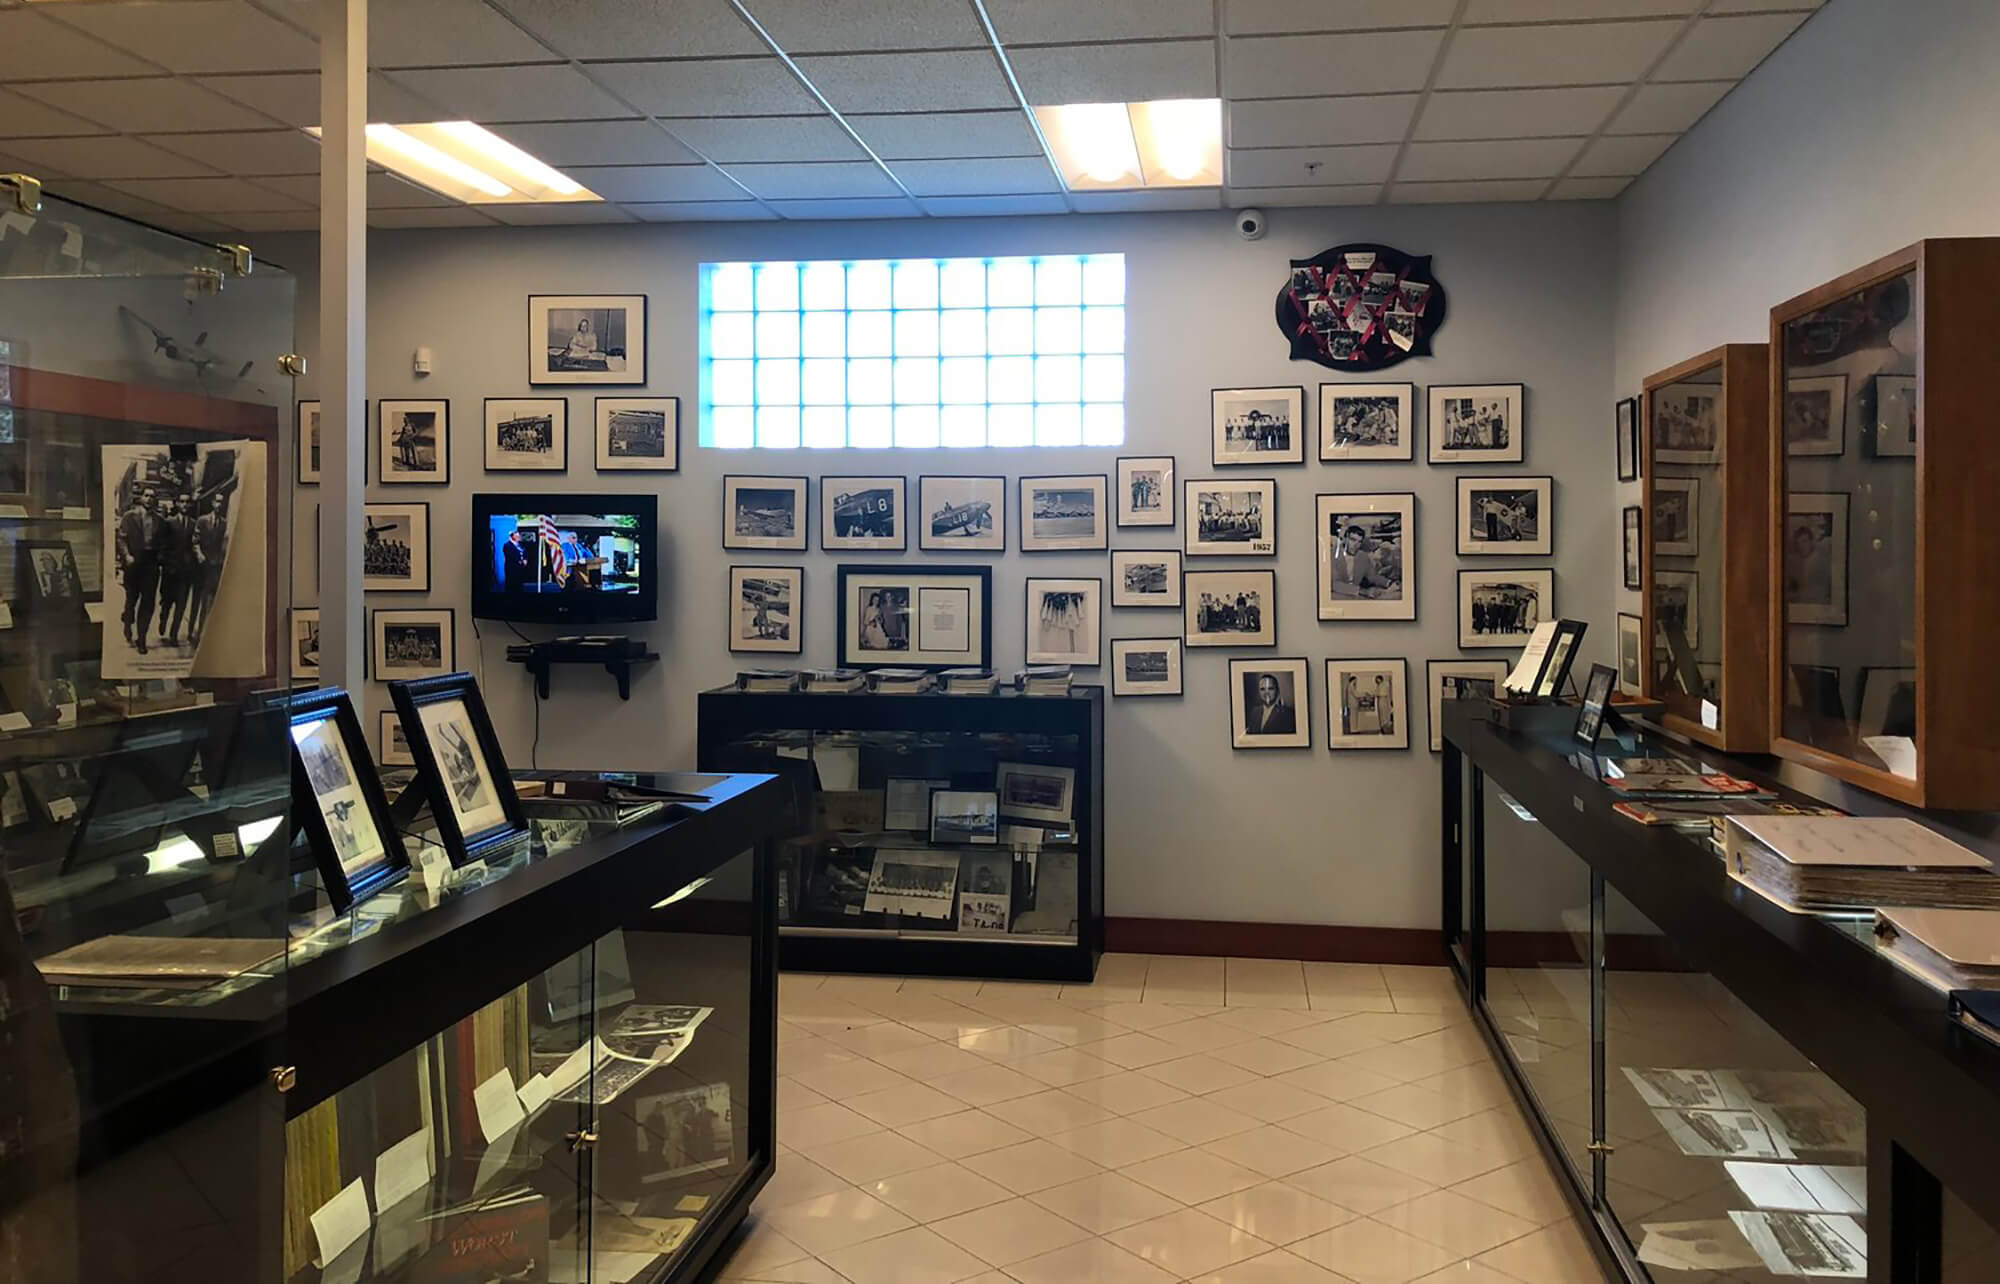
(1359,421)
(1257,425)
(1145,490)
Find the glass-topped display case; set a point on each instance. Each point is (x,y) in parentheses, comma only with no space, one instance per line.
(1882,535)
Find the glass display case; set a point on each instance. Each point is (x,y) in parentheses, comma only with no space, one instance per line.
(947,834)
(1707,499)
(1882,540)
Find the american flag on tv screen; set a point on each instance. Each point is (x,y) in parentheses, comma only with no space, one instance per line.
(552,541)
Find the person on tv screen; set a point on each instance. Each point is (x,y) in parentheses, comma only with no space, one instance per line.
(515,553)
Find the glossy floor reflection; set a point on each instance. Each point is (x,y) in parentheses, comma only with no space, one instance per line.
(1182,1119)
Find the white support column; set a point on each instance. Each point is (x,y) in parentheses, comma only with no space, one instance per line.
(343,337)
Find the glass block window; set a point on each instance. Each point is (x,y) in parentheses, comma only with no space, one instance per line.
(914,352)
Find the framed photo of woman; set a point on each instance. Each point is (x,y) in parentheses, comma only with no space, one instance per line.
(915,617)
(586,339)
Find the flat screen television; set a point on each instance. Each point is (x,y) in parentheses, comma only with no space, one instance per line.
(565,558)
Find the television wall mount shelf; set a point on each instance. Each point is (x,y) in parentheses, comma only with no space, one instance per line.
(618,656)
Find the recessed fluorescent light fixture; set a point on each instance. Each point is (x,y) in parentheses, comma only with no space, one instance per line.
(1173,142)
(468,163)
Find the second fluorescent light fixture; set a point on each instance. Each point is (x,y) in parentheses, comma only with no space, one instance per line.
(469,163)
(1174,142)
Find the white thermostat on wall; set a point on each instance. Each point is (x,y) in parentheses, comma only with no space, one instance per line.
(420,362)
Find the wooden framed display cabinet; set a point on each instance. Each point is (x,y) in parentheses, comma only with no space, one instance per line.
(1704,558)
(1883,535)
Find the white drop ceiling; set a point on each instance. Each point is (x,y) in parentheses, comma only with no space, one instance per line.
(188,112)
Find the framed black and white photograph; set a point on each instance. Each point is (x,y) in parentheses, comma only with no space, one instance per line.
(1036,791)
(1631,654)
(459,765)
(1145,577)
(1886,701)
(413,443)
(1270,704)
(764,512)
(1145,666)
(1687,424)
(1230,608)
(1232,517)
(1815,558)
(1459,680)
(1628,439)
(527,434)
(392,744)
(1145,490)
(586,339)
(1815,415)
(1502,608)
(63,477)
(962,514)
(348,827)
(1065,621)
(638,434)
(1258,425)
(1506,516)
(1677,608)
(419,643)
(48,585)
(965,816)
(1633,521)
(303,643)
(1676,516)
(396,548)
(1367,421)
(1367,704)
(862,513)
(1477,423)
(1892,432)
(766,609)
(1062,513)
(1367,556)
(307,443)
(1597,690)
(915,617)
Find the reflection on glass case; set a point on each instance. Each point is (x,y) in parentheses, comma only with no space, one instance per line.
(1882,536)
(1707,493)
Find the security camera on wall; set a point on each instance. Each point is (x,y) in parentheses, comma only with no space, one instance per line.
(1251,224)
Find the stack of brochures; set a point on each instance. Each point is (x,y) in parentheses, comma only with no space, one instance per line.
(1855,862)
(767,680)
(1953,949)
(1043,680)
(835,680)
(970,681)
(901,681)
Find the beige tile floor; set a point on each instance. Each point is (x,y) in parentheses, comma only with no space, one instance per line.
(1238,1121)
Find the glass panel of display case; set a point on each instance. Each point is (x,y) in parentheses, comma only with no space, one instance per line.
(1970,1246)
(1689,443)
(1847,399)
(1729,1151)
(145,775)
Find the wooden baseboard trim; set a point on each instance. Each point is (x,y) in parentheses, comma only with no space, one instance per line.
(1412,946)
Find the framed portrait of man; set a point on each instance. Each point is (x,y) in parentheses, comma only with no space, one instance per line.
(1268,704)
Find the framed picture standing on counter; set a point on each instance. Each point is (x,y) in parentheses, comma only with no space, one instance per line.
(353,840)
(459,765)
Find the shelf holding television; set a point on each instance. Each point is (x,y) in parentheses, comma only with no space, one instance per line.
(946,835)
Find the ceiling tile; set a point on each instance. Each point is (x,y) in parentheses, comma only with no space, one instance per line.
(700,211)
(859,26)
(445,33)
(141,106)
(1054,22)
(725,87)
(814,181)
(1312,122)
(977,177)
(1669,109)
(558,215)
(992,206)
(276,221)
(1186,198)
(451,216)
(598,142)
(945,135)
(657,183)
(1502,11)
(294,99)
(637,28)
(1252,17)
(1588,189)
(1310,166)
(248,155)
(385,191)
(1517,113)
(1118,73)
(1760,6)
(866,208)
(947,81)
(197,36)
(489,94)
(1496,158)
(1458,193)
(1595,53)
(25,118)
(1342,194)
(109,199)
(35,47)
(1614,157)
(1375,63)
(768,138)
(108,157)
(208,195)
(1727,48)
